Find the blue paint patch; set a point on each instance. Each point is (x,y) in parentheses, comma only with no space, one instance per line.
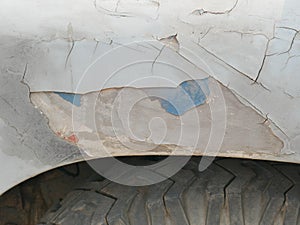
(75,99)
(187,95)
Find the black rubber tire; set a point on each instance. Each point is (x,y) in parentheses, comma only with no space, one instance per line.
(230,191)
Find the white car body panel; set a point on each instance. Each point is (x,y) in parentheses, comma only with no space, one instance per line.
(251,47)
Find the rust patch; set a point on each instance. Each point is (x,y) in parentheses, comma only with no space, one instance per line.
(72,138)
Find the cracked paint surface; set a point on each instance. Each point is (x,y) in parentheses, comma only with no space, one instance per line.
(250,47)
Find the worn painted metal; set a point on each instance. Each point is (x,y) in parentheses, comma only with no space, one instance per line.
(58,59)
(75,99)
(103,125)
(188,95)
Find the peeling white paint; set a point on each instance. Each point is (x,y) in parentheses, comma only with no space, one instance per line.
(251,47)
(247,54)
(88,67)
